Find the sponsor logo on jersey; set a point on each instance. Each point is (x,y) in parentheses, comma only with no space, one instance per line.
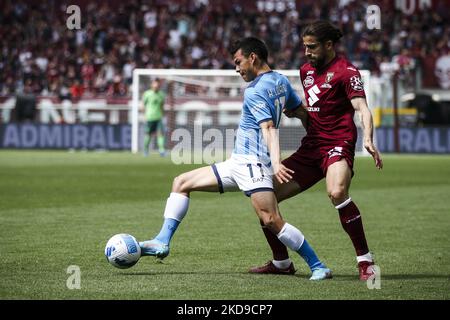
(351,68)
(309,81)
(326,86)
(356,83)
(309,72)
(313,109)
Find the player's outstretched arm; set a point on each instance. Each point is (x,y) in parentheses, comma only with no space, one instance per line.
(270,135)
(360,104)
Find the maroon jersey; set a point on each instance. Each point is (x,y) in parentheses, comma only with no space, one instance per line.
(328,94)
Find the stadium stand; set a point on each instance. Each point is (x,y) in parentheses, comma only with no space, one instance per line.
(38,51)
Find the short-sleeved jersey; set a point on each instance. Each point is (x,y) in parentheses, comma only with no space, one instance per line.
(328,95)
(264,100)
(152,102)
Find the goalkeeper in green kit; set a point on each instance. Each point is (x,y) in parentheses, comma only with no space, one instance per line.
(153,102)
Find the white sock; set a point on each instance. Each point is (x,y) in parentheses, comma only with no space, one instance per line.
(176,206)
(366,257)
(282,264)
(291,237)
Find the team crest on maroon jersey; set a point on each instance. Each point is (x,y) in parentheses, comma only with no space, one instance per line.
(356,83)
(328,78)
(309,81)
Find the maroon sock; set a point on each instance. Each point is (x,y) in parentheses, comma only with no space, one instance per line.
(279,250)
(352,223)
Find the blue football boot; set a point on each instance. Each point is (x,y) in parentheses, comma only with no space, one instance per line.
(154,247)
(321,273)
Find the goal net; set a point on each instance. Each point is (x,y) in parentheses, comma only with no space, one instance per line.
(202,112)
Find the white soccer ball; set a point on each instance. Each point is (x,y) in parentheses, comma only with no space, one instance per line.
(122,251)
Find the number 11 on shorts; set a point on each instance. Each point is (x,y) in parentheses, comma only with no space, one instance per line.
(251,169)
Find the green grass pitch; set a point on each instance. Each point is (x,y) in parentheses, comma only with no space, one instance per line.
(58,209)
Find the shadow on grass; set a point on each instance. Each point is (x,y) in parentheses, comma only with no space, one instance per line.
(336,277)
(346,277)
(212,273)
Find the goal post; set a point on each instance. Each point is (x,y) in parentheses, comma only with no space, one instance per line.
(211,99)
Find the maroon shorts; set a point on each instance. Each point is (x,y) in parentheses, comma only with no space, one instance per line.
(311,161)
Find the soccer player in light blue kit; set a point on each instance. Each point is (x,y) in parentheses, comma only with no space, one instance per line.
(253,164)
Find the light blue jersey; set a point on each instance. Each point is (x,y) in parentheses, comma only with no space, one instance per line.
(264,100)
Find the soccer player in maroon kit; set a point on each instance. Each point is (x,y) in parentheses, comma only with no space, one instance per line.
(333,92)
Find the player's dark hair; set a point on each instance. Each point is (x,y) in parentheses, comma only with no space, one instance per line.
(249,45)
(323,31)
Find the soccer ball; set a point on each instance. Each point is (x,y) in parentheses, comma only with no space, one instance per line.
(122,251)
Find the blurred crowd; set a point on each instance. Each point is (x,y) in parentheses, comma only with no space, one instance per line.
(40,54)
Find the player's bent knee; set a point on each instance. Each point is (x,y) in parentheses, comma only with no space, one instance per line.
(337,195)
(271,221)
(180,184)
